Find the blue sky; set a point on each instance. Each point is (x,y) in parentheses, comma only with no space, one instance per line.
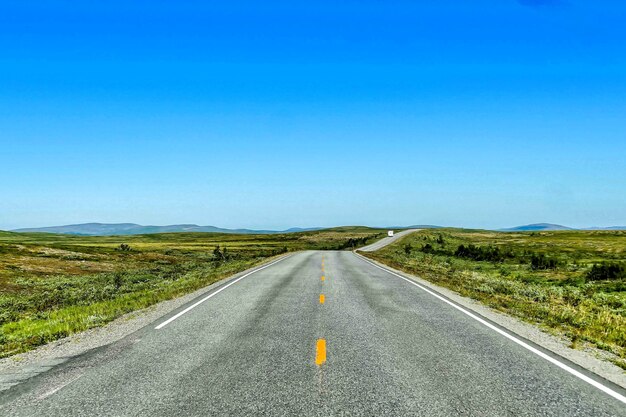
(284,113)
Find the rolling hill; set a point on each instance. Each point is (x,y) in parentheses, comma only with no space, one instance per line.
(537,227)
(109,229)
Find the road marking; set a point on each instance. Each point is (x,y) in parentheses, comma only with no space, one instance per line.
(320,352)
(523,344)
(58,388)
(323,278)
(322,299)
(171,319)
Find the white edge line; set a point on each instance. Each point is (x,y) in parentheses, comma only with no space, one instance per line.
(523,344)
(60,387)
(219,290)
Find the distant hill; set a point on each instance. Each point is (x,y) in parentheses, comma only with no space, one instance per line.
(423,226)
(109,229)
(537,227)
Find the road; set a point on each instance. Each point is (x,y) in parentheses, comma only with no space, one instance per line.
(269,344)
(386,241)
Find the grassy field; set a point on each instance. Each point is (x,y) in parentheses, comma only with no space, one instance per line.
(54,285)
(571,283)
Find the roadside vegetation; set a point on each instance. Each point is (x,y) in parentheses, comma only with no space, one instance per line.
(571,283)
(54,285)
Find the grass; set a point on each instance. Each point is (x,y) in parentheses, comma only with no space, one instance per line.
(571,283)
(54,285)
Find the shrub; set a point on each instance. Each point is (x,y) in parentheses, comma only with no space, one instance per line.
(428,248)
(542,262)
(605,272)
(118,279)
(217,253)
(353,242)
(477,253)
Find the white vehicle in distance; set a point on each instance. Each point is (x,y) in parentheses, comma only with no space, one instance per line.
(390,233)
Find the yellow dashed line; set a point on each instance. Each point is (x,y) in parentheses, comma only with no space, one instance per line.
(320,352)
(320,348)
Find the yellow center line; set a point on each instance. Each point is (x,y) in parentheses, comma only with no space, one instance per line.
(323,278)
(320,352)
(322,298)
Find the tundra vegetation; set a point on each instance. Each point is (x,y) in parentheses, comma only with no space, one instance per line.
(571,283)
(54,285)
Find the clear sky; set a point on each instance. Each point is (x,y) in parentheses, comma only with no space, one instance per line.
(273,114)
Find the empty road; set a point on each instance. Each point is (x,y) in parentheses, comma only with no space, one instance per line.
(314,334)
(386,241)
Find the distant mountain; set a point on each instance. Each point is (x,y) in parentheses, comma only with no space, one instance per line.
(300,229)
(415,226)
(537,227)
(424,226)
(109,229)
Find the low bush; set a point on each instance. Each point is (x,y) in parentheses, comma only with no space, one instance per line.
(605,272)
(355,242)
(538,262)
(478,253)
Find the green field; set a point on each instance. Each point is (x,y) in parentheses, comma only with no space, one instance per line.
(570,283)
(54,285)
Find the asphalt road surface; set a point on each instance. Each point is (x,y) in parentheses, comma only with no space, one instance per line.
(386,241)
(270,344)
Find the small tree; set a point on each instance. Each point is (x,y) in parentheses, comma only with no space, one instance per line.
(118,279)
(606,272)
(542,262)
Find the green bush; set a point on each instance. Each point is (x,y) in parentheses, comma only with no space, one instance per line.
(605,272)
(542,262)
(478,253)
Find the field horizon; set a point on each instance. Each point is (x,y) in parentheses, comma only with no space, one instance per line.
(122,229)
